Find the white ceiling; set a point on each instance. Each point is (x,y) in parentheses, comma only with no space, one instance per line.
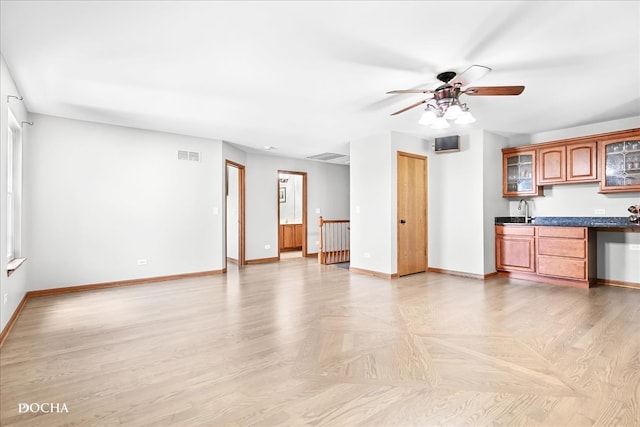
(308,77)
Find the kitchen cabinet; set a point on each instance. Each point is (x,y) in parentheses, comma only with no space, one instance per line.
(611,158)
(515,248)
(566,253)
(552,165)
(290,237)
(620,165)
(552,254)
(567,163)
(582,165)
(519,172)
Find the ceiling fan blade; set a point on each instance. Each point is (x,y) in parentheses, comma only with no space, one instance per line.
(469,75)
(409,107)
(493,90)
(411,91)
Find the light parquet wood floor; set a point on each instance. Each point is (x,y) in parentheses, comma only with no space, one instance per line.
(296,344)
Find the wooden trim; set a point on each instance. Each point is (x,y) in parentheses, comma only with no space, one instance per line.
(262,260)
(131,282)
(312,255)
(415,156)
(588,138)
(241,209)
(461,273)
(533,277)
(232,260)
(12,321)
(304,209)
(607,282)
(93,287)
(373,273)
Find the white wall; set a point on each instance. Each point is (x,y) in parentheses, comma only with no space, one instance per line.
(327,190)
(372,208)
(374,193)
(456,207)
(104,197)
(413,144)
(616,260)
(494,204)
(15,286)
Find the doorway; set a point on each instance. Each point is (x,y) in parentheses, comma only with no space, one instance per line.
(292,214)
(234,218)
(412,213)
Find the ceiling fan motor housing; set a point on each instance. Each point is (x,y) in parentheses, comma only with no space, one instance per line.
(446,76)
(445,95)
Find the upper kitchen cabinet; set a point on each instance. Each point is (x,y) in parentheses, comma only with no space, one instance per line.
(519,172)
(567,163)
(620,165)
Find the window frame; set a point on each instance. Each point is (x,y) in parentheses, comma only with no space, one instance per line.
(14,186)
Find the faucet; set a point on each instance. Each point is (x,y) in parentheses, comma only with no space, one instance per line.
(526,209)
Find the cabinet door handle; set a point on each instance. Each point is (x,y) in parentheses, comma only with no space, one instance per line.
(402,221)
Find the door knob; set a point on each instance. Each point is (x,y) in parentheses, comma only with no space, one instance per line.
(403,221)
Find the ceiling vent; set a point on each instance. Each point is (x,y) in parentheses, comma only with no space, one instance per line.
(325,157)
(193,156)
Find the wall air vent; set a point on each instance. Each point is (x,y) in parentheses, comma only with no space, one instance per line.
(193,156)
(325,157)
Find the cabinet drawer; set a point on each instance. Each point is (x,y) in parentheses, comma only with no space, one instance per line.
(515,230)
(562,267)
(569,232)
(575,248)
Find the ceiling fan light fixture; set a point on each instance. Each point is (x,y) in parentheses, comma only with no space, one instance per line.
(453,112)
(427,118)
(440,123)
(465,118)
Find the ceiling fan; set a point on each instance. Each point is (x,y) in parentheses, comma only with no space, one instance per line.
(444,103)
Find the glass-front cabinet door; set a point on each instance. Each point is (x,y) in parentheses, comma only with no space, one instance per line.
(620,166)
(519,174)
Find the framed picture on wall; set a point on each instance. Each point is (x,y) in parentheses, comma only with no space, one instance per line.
(283,194)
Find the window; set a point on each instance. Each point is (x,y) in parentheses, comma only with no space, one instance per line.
(14,187)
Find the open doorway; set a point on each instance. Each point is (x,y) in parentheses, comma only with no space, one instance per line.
(292,214)
(234,218)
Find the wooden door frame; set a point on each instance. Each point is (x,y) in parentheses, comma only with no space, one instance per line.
(426,206)
(241,210)
(304,209)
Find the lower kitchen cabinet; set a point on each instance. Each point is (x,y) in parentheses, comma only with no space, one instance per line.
(560,255)
(515,248)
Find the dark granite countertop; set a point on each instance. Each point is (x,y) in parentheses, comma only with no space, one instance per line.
(571,221)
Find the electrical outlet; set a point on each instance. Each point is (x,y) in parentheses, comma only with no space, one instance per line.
(634,247)
(367,255)
(5,298)
(599,211)
(142,262)
(267,246)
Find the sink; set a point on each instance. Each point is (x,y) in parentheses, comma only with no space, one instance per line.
(514,220)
